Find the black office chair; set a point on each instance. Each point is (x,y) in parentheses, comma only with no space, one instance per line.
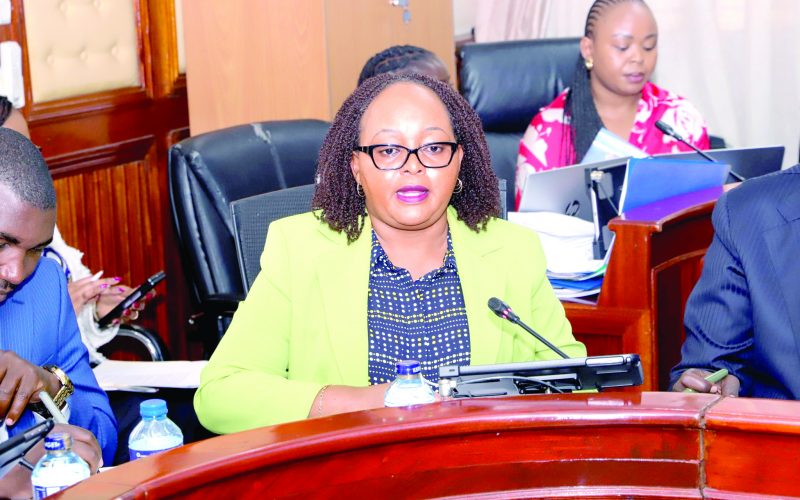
(137,341)
(251,219)
(507,83)
(208,172)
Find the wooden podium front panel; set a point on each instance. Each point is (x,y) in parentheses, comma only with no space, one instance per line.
(644,445)
(753,447)
(595,445)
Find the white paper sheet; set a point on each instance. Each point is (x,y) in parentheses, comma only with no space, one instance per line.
(566,241)
(141,375)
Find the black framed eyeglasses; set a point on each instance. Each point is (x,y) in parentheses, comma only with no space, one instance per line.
(394,156)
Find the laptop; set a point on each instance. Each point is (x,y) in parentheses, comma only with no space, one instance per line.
(746,162)
(563,190)
(536,377)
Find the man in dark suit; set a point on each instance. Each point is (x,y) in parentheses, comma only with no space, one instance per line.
(744,313)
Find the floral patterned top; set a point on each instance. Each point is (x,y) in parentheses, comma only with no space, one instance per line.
(545,143)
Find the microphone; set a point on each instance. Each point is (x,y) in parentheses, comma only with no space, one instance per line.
(667,130)
(504,311)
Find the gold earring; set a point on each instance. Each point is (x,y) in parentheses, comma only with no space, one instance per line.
(589,64)
(459,186)
(359,190)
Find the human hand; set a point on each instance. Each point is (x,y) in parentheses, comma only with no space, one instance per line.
(84,444)
(695,379)
(85,290)
(21,383)
(109,299)
(335,399)
(16,483)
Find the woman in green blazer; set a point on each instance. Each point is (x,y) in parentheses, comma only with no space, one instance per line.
(399,258)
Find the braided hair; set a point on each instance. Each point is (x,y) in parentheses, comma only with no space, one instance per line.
(336,198)
(394,59)
(579,109)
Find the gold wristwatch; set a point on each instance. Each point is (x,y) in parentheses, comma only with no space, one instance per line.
(60,399)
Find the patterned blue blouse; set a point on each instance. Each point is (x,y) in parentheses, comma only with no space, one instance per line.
(425,320)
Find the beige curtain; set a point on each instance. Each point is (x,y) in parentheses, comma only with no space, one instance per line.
(738,61)
(510,20)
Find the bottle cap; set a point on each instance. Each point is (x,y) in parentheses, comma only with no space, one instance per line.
(153,408)
(408,367)
(58,441)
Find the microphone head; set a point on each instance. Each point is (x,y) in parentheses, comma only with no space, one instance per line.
(500,308)
(663,127)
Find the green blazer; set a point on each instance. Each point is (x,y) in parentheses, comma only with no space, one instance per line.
(304,322)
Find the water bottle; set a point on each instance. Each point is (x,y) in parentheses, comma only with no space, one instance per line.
(155,432)
(59,468)
(408,388)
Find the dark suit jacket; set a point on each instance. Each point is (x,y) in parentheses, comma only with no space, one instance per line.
(744,313)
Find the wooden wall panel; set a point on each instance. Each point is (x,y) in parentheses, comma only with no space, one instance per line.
(358,29)
(107,152)
(254,60)
(110,214)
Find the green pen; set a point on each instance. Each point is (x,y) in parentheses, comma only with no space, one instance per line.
(713,378)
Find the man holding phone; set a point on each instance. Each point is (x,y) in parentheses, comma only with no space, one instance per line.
(39,338)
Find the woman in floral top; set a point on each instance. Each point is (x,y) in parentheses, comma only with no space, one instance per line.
(612,89)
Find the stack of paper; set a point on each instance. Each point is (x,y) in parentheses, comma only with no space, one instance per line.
(146,376)
(567,244)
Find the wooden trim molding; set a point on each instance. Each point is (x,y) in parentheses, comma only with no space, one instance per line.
(86,104)
(167,78)
(127,151)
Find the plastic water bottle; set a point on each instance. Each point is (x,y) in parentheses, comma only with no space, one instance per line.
(59,468)
(408,388)
(155,433)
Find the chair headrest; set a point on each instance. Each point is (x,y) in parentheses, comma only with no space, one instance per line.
(508,82)
(209,171)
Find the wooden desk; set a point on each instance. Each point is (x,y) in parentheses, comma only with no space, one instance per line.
(641,445)
(656,261)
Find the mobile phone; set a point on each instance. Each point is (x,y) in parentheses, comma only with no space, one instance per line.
(15,448)
(128,301)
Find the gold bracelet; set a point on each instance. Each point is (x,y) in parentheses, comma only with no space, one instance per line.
(320,397)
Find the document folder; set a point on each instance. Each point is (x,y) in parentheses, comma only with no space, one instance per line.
(648,180)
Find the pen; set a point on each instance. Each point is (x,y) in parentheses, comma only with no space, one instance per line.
(713,378)
(58,417)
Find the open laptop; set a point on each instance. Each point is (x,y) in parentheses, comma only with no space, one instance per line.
(563,190)
(537,377)
(747,162)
